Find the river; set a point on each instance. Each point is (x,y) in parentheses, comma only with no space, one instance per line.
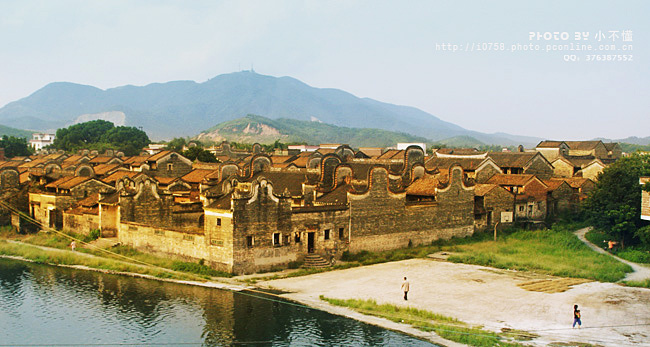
(46,305)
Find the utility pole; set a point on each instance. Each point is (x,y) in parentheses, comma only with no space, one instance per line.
(495,231)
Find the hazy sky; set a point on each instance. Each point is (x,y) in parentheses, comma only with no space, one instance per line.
(391,51)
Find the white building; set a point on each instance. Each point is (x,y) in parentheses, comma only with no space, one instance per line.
(39,141)
(402,146)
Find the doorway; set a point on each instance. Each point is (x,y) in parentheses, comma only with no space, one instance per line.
(310,242)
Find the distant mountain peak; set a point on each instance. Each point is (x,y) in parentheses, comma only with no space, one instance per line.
(185,108)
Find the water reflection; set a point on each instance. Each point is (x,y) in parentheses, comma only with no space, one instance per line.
(42,304)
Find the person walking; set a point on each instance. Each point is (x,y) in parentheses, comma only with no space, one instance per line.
(405,288)
(73,245)
(576,317)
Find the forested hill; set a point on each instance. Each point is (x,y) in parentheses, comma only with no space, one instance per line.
(251,129)
(185,108)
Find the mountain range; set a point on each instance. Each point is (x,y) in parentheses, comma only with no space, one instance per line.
(186,108)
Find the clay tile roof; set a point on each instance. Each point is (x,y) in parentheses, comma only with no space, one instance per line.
(444,163)
(581,161)
(392,154)
(582,145)
(425,186)
(159,155)
(574,182)
(285,180)
(301,161)
(276,159)
(112,178)
(101,159)
(482,189)
(67,182)
(90,201)
(165,180)
(222,203)
(111,199)
(8,164)
(553,184)
(549,144)
(610,145)
(510,180)
(103,169)
(511,159)
(34,163)
(326,150)
(136,161)
(72,159)
(196,175)
(338,196)
(459,151)
(24,177)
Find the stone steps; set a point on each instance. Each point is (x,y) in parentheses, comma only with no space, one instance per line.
(315,261)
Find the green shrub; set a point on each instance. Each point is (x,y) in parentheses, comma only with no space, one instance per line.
(635,255)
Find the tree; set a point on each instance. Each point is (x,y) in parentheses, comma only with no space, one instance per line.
(14,146)
(614,204)
(176,144)
(194,153)
(100,134)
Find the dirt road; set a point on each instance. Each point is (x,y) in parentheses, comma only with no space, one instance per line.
(613,315)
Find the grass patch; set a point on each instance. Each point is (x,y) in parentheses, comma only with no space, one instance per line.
(635,254)
(54,240)
(556,251)
(446,327)
(643,284)
(39,255)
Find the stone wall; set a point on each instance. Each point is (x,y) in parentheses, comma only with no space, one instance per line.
(539,167)
(381,220)
(80,223)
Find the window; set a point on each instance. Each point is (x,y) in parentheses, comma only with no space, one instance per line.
(521,209)
(297,238)
(170,167)
(250,241)
(218,222)
(276,239)
(287,239)
(341,233)
(327,234)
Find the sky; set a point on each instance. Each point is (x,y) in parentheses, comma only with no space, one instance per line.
(525,80)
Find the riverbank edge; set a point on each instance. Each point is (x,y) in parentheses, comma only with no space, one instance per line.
(314,304)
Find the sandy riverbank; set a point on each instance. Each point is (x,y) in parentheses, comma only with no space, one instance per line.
(613,315)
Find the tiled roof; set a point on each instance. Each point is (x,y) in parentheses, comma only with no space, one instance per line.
(549,144)
(482,189)
(425,186)
(582,145)
(101,159)
(511,159)
(444,163)
(510,179)
(459,151)
(103,169)
(301,161)
(553,184)
(338,196)
(582,161)
(67,182)
(276,159)
(115,176)
(222,203)
(196,175)
(610,145)
(574,182)
(136,161)
(165,180)
(159,155)
(392,154)
(285,180)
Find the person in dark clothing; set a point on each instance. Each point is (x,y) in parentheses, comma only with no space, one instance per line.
(576,317)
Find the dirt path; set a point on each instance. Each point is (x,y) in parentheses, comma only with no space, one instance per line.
(613,315)
(640,272)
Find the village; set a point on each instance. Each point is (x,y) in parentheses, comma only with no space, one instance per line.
(256,211)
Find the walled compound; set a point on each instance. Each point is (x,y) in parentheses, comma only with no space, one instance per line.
(261,211)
